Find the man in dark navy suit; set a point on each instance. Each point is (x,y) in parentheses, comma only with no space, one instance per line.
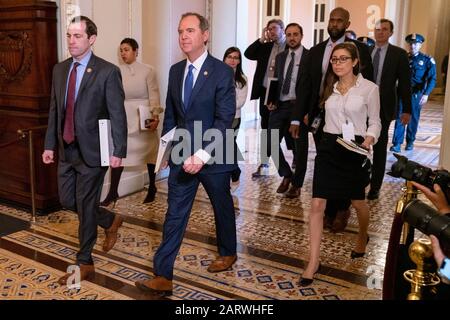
(201,94)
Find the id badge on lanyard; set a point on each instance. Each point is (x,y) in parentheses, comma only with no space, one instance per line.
(348,131)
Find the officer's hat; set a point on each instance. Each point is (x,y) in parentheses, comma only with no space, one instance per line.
(415,38)
(368,41)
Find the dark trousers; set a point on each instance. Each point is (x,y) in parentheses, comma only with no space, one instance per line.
(333,206)
(399,132)
(265,115)
(80,188)
(379,157)
(301,156)
(237,154)
(280,119)
(182,190)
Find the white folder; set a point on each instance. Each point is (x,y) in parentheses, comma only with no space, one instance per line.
(106,142)
(165,148)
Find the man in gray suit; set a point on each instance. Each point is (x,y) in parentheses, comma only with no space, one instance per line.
(85,88)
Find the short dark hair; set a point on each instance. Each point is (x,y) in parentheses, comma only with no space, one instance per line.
(204,24)
(294,24)
(91,28)
(277,21)
(391,24)
(344,11)
(131,42)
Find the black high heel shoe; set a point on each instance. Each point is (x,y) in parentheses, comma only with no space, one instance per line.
(110,199)
(151,193)
(356,255)
(305,282)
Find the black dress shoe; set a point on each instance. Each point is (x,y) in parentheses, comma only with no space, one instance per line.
(373,194)
(305,282)
(356,255)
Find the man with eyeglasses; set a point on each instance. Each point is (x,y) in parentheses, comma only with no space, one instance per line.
(264,51)
(309,91)
(392,75)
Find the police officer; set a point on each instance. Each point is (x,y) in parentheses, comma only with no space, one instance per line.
(367,41)
(423,81)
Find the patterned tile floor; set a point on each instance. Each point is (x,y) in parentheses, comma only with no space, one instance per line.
(272,237)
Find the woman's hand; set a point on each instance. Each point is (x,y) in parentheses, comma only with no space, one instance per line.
(154,124)
(368,142)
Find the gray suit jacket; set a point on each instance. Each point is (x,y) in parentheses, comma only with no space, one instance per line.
(100,96)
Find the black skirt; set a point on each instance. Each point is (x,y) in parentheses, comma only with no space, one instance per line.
(338,172)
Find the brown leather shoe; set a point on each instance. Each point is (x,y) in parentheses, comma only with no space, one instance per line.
(87,272)
(111,233)
(341,220)
(158,285)
(222,263)
(293,192)
(284,186)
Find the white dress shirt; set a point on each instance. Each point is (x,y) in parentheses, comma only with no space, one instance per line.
(297,57)
(360,103)
(197,67)
(241,97)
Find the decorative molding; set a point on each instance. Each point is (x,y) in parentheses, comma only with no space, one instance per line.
(130,18)
(16,55)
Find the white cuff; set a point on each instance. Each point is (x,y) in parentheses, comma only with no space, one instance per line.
(203,155)
(295,123)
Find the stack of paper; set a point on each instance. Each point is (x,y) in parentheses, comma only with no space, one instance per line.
(165,148)
(106,142)
(352,146)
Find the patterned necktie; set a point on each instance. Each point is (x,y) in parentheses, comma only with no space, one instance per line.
(188,84)
(376,64)
(288,78)
(69,126)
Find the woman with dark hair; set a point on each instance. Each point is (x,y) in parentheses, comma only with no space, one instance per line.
(352,112)
(233,58)
(141,89)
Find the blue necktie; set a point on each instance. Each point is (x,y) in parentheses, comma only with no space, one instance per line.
(188,84)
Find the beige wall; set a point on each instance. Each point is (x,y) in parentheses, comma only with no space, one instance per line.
(302,12)
(359,16)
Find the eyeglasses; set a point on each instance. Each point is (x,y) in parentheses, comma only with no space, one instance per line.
(233,58)
(340,60)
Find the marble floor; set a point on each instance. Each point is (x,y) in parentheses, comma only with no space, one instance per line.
(272,242)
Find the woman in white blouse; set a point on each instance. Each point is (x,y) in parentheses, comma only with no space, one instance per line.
(352,111)
(233,57)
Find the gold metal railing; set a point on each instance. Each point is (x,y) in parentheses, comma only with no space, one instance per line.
(24,133)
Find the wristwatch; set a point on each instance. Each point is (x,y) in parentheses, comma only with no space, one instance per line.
(444,271)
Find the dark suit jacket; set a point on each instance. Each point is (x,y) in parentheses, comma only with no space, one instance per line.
(259,52)
(213,102)
(280,64)
(100,96)
(395,67)
(308,87)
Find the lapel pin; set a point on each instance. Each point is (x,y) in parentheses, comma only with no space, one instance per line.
(206,73)
(89,70)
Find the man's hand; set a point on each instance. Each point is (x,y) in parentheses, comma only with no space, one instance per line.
(423,100)
(437,198)
(48,156)
(164,165)
(264,36)
(193,165)
(437,251)
(115,162)
(294,130)
(404,118)
(306,120)
(271,106)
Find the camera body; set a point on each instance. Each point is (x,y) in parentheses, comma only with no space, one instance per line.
(413,171)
